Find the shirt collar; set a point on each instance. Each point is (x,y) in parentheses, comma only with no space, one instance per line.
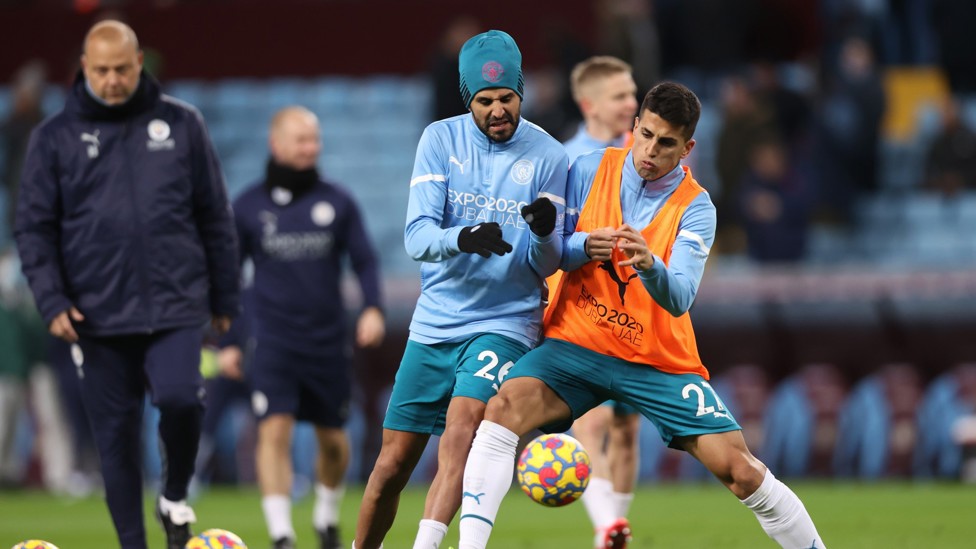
(483,141)
(664,184)
(101,101)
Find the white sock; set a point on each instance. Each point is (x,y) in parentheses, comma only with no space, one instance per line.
(277,513)
(621,502)
(327,502)
(782,515)
(430,534)
(599,503)
(487,478)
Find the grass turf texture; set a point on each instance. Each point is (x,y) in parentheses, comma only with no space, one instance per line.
(863,516)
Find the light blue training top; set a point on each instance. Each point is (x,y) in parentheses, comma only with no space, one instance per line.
(462,178)
(673,287)
(583,142)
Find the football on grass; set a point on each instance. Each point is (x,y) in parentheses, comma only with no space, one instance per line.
(554,470)
(215,538)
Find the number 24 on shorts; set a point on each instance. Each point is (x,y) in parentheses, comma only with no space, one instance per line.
(492,361)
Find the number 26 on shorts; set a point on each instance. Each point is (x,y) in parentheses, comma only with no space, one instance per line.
(492,361)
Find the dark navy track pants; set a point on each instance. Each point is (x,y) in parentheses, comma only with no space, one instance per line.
(115,373)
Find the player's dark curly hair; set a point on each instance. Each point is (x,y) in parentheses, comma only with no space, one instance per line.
(676,104)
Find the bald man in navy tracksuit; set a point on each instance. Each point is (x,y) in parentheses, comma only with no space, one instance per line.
(127,239)
(298,230)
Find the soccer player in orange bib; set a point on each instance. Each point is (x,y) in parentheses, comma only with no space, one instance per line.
(638,231)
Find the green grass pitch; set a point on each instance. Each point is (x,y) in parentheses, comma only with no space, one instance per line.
(848,515)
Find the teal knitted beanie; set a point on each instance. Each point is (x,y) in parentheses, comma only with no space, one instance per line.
(489,60)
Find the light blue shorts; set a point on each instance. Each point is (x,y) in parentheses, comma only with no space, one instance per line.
(431,375)
(679,405)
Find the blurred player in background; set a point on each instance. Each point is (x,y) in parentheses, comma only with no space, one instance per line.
(127,240)
(482,217)
(618,328)
(604,89)
(297,229)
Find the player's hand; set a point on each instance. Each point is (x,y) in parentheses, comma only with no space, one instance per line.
(371,328)
(633,245)
(220,324)
(483,239)
(61,326)
(541,216)
(229,362)
(599,244)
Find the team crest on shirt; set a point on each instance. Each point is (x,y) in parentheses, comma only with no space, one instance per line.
(522,171)
(323,214)
(159,139)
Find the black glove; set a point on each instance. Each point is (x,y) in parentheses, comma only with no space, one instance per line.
(541,216)
(483,239)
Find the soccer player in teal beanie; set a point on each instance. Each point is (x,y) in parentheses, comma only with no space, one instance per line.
(484,218)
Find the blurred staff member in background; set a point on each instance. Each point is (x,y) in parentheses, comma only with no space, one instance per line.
(297,229)
(127,239)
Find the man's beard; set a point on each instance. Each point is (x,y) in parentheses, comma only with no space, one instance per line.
(502,137)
